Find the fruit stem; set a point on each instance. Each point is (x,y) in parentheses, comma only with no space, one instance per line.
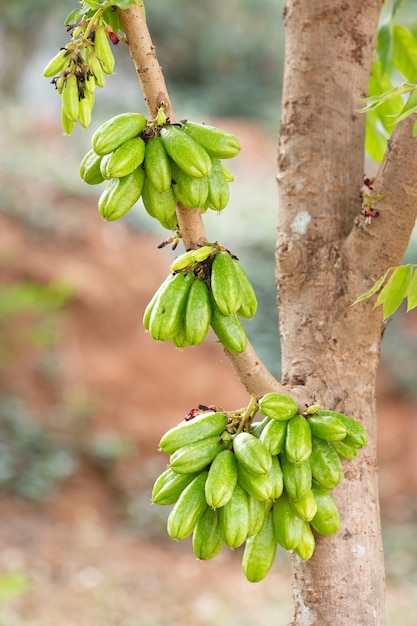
(249,413)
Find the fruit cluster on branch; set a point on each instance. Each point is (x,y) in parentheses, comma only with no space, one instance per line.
(266,483)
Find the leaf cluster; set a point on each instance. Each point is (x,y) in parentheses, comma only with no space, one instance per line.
(396,285)
(395,59)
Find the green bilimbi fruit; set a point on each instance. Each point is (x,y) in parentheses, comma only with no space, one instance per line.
(298,439)
(67,124)
(273,435)
(189,507)
(90,168)
(307,543)
(196,456)
(169,486)
(344,451)
(258,427)
(179,339)
(121,194)
(182,261)
(96,69)
(222,479)
(234,518)
(287,525)
(218,187)
(229,330)
(197,315)
(84,111)
(276,478)
(207,536)
(116,131)
(327,427)
(185,152)
(196,429)
(297,477)
(257,510)
(259,553)
(248,300)
(259,486)
(160,205)
(124,159)
(326,467)
(306,507)
(225,286)
(70,98)
(216,142)
(151,304)
(158,165)
(327,519)
(57,64)
(356,434)
(168,310)
(103,50)
(203,253)
(190,191)
(251,453)
(228,174)
(278,406)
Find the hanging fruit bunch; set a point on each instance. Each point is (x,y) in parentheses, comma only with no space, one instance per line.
(268,483)
(207,287)
(162,163)
(81,65)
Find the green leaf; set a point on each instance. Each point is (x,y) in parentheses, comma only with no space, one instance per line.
(412,292)
(73,17)
(376,286)
(372,102)
(389,109)
(405,52)
(375,140)
(395,290)
(409,107)
(124,4)
(385,46)
(112,18)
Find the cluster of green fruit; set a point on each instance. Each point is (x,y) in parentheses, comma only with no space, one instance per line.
(162,163)
(266,484)
(207,287)
(79,67)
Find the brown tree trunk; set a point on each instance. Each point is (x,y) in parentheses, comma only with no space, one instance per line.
(326,257)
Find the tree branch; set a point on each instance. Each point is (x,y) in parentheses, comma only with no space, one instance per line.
(249,368)
(382,243)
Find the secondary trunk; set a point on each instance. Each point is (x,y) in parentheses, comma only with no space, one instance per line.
(328,347)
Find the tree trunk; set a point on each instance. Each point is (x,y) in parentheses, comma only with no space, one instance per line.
(330,350)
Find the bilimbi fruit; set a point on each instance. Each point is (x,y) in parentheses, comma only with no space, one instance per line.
(264,484)
(175,166)
(207,287)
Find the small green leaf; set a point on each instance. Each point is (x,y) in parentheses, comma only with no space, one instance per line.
(372,102)
(405,52)
(380,83)
(376,286)
(73,17)
(409,107)
(385,46)
(395,290)
(412,292)
(375,139)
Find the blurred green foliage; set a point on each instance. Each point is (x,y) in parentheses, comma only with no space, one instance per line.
(32,462)
(28,316)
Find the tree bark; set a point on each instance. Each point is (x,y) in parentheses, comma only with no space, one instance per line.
(326,257)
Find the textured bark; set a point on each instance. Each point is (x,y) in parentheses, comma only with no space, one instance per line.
(326,257)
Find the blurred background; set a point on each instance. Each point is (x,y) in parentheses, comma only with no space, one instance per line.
(85,394)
